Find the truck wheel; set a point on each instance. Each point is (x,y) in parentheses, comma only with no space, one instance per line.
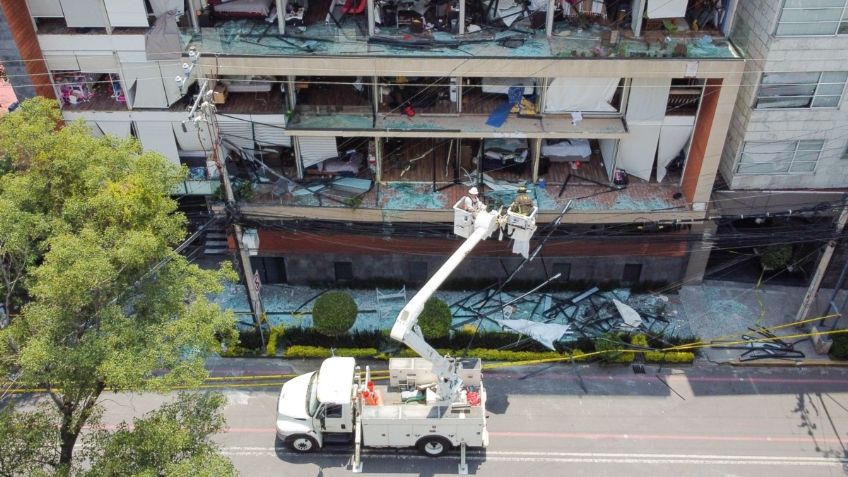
(433,446)
(301,443)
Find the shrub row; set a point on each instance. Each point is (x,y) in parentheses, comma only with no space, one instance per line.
(669,356)
(484,354)
(307,343)
(300,351)
(839,348)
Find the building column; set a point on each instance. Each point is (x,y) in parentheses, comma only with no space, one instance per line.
(20,51)
(281,16)
(699,252)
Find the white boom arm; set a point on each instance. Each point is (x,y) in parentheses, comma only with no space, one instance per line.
(405,328)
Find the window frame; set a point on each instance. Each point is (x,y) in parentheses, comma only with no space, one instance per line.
(815,94)
(843,18)
(793,161)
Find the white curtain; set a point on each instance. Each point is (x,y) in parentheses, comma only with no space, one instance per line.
(581,94)
(163,6)
(608,150)
(667,8)
(637,150)
(45,8)
(144,85)
(158,136)
(61,62)
(236,129)
(126,13)
(95,129)
(84,13)
(648,99)
(89,62)
(196,137)
(269,130)
(317,149)
(674,136)
(119,129)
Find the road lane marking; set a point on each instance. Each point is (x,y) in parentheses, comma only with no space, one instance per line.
(574,457)
(662,437)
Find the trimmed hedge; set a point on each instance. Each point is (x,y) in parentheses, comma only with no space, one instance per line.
(319,352)
(669,356)
(839,348)
(484,354)
(334,313)
(611,344)
(273,336)
(309,343)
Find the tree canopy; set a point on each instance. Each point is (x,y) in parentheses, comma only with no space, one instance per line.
(171,440)
(102,300)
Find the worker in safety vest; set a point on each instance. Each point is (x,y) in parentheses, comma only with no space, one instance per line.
(472,202)
(522,204)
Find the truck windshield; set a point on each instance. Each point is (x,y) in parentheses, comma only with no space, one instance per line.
(312,395)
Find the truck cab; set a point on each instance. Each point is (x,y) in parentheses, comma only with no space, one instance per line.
(314,406)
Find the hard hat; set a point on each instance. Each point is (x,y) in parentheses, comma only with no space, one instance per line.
(472,191)
(522,189)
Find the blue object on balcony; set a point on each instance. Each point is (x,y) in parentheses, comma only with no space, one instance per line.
(498,117)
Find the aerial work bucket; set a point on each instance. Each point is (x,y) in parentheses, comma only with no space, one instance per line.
(463,221)
(520,228)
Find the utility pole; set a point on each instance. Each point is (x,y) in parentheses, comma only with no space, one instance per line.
(815,283)
(203,110)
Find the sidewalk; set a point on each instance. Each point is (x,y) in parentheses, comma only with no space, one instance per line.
(725,311)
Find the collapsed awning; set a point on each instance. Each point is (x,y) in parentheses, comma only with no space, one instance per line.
(545,333)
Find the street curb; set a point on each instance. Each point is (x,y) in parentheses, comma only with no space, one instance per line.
(779,363)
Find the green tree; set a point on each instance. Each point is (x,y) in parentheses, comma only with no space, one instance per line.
(110,304)
(334,313)
(435,319)
(171,440)
(28,439)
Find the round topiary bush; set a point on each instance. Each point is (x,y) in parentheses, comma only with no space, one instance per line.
(435,320)
(334,313)
(776,257)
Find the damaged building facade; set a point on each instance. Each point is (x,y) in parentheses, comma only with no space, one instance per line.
(350,129)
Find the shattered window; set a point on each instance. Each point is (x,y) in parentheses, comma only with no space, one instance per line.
(817,17)
(784,157)
(801,90)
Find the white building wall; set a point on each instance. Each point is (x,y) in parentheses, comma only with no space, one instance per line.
(753,32)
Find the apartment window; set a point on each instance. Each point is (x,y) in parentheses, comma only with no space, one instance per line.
(801,90)
(564,269)
(813,17)
(417,271)
(632,272)
(344,271)
(782,157)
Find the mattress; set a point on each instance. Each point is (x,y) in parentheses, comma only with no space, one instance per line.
(256,7)
(338,165)
(570,150)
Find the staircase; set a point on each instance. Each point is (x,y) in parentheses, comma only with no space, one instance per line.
(216,242)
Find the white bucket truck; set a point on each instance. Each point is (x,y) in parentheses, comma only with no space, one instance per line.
(433,403)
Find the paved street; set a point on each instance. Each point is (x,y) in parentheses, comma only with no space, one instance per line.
(545,420)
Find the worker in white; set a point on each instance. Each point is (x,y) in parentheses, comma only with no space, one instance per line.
(471,202)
